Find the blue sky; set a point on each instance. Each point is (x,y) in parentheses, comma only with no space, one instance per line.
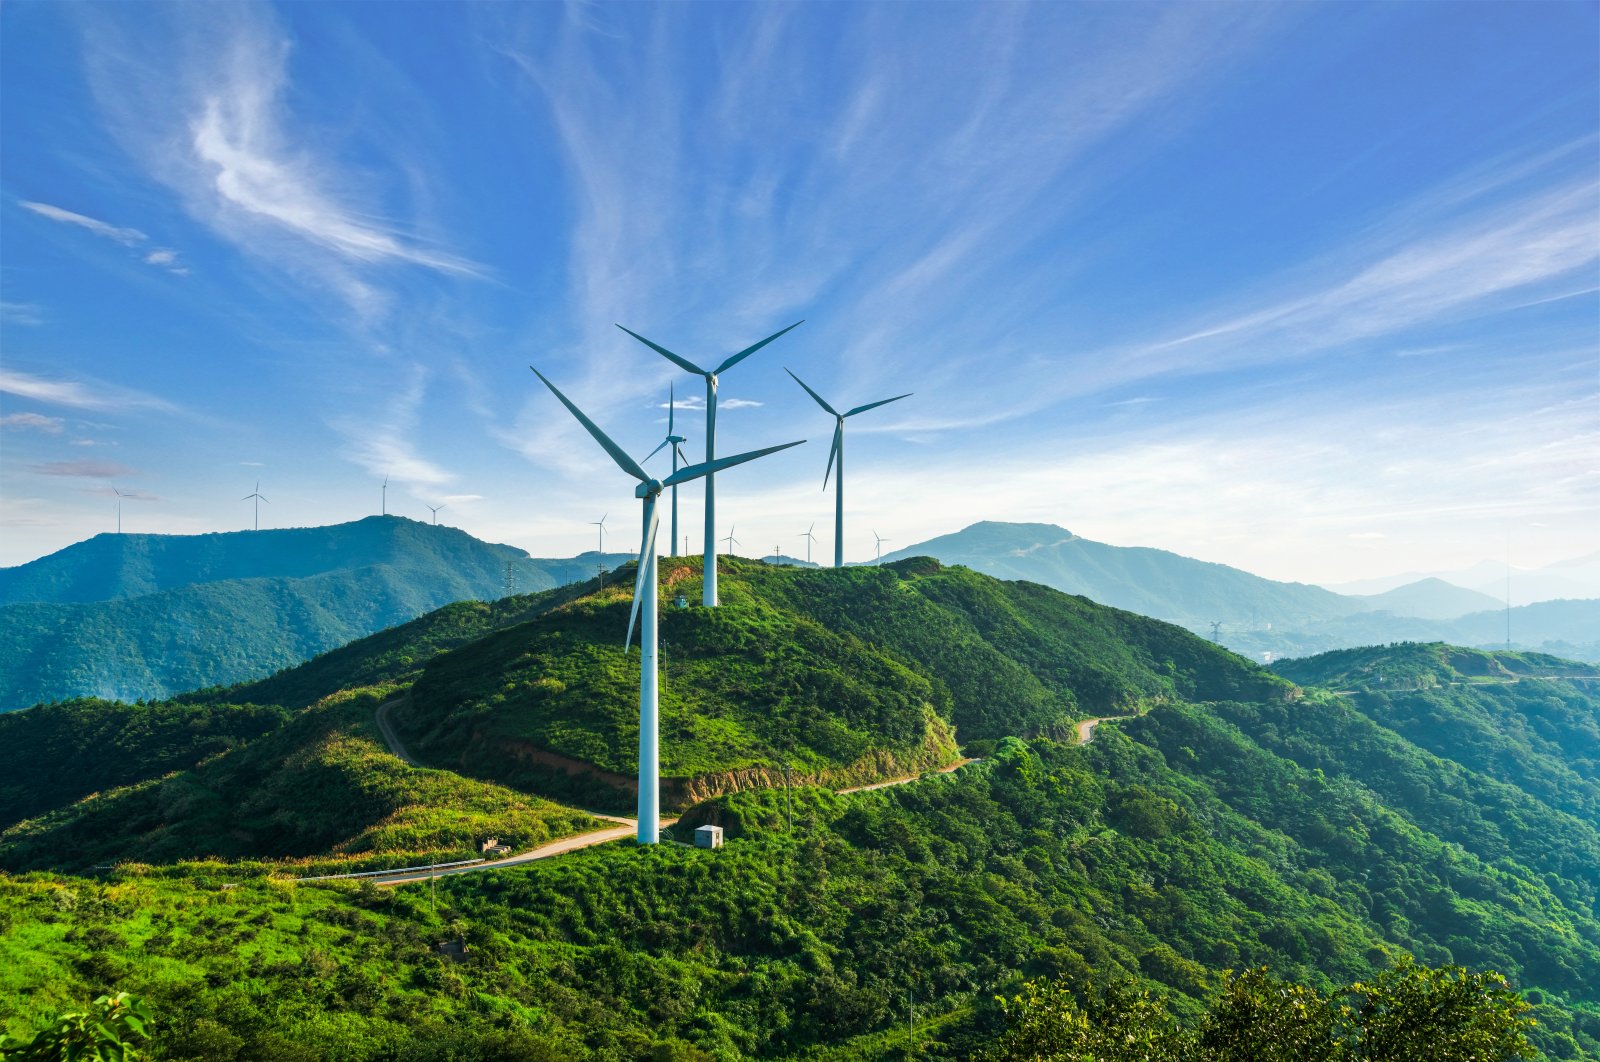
(1306,289)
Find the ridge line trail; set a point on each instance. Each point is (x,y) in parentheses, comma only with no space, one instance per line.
(624,826)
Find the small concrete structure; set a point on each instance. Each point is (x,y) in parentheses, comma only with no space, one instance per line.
(493,847)
(708,837)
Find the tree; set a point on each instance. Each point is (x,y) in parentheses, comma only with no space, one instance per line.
(106,1032)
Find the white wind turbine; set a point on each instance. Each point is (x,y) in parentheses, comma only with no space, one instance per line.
(730,540)
(709,592)
(385,495)
(259,499)
(600,523)
(644,602)
(881,541)
(810,538)
(435,510)
(837,454)
(120,495)
(676,442)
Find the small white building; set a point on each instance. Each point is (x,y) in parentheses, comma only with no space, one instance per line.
(708,837)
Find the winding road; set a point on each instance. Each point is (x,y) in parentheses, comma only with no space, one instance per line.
(624,827)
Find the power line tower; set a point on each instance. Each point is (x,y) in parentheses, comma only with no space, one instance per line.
(1216,630)
(510,583)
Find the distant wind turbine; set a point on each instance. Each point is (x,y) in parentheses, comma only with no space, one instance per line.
(709,591)
(644,602)
(837,454)
(810,538)
(385,495)
(676,442)
(730,540)
(881,541)
(600,523)
(435,509)
(121,495)
(259,499)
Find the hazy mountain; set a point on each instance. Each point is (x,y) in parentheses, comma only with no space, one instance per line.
(1260,616)
(145,616)
(1428,598)
(1569,579)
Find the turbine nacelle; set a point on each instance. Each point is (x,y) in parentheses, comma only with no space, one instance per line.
(649,488)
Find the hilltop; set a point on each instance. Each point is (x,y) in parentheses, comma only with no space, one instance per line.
(1258,616)
(146,616)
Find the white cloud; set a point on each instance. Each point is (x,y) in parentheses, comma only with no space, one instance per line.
(84,469)
(33,422)
(22,313)
(127,237)
(78,394)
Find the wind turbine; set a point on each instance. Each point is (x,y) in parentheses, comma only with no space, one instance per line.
(385,495)
(730,540)
(121,495)
(600,523)
(644,602)
(435,509)
(881,541)
(674,441)
(837,453)
(709,592)
(259,499)
(810,538)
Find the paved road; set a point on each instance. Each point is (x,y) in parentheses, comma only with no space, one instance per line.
(386,730)
(1086,726)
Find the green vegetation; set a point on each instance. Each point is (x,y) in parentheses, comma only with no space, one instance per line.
(320,791)
(1237,823)
(146,616)
(1405,1013)
(111,1030)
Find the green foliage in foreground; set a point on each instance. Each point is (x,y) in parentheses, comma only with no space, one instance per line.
(1101,864)
(1403,1014)
(320,790)
(111,1030)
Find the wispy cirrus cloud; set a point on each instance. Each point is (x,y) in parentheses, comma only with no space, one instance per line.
(124,236)
(383,443)
(205,103)
(83,469)
(79,394)
(165,257)
(33,422)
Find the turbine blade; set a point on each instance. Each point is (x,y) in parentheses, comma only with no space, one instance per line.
(681,456)
(264,498)
(747,351)
(657,450)
(705,468)
(838,438)
(648,544)
(618,454)
(875,405)
(813,394)
(682,363)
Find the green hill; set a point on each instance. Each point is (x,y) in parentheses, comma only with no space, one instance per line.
(135,617)
(1238,821)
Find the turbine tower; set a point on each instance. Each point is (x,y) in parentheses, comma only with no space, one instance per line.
(730,540)
(837,453)
(709,593)
(435,510)
(121,495)
(385,495)
(259,499)
(600,523)
(810,538)
(881,541)
(644,602)
(676,442)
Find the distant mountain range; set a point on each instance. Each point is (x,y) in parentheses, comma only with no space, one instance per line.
(1260,616)
(1573,579)
(145,616)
